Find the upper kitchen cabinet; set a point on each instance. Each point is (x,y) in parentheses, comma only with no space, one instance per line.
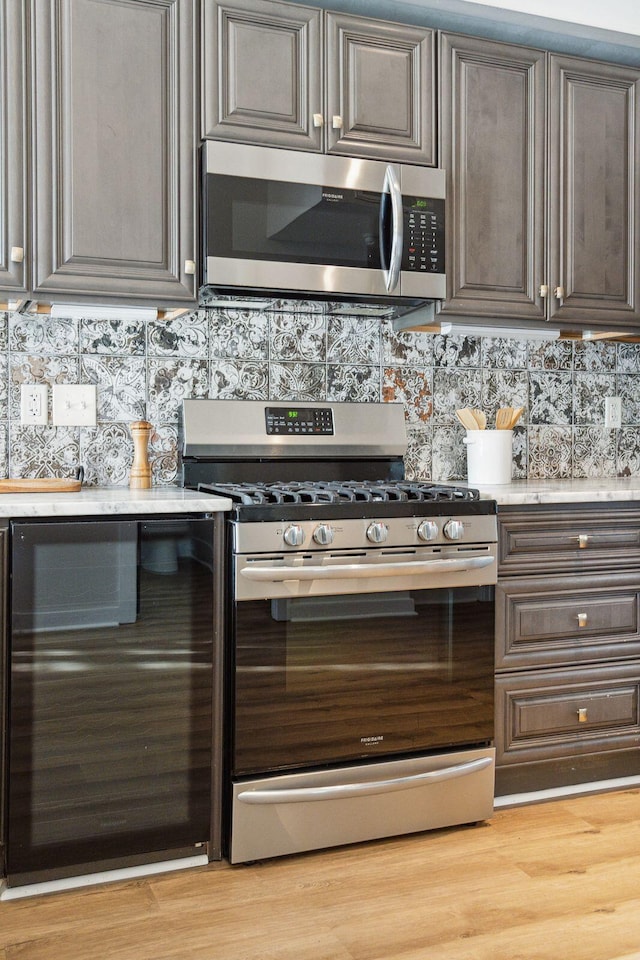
(114,141)
(493,149)
(521,246)
(263,64)
(13,150)
(594,192)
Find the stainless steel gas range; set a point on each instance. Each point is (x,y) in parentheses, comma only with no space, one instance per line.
(360,612)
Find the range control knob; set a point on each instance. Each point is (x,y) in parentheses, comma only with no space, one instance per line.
(323,534)
(453,529)
(377,532)
(294,535)
(428,530)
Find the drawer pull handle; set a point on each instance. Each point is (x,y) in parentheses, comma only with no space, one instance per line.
(582,715)
(582,619)
(583,540)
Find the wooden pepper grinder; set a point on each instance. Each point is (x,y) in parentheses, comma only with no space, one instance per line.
(140,476)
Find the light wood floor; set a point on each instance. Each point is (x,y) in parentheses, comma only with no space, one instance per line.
(555,881)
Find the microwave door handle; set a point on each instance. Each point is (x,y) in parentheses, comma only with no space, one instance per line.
(391,186)
(363,571)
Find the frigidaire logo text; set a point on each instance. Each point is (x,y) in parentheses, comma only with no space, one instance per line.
(371,739)
(332,196)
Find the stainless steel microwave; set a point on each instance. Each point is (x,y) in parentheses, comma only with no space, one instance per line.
(298,224)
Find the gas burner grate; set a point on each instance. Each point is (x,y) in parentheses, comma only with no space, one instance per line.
(338,492)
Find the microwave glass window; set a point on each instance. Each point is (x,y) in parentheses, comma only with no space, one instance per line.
(292,222)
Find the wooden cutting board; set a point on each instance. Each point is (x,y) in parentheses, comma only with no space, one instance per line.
(40,485)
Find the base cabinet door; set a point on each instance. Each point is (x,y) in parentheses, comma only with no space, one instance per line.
(114,150)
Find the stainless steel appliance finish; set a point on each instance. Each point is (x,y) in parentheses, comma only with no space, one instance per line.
(361,627)
(306,224)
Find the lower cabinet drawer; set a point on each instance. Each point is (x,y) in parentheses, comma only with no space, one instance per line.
(543,621)
(545,714)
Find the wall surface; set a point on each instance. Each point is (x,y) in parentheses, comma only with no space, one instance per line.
(144,370)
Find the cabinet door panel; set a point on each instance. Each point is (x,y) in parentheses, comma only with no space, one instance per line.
(493,148)
(262,73)
(114,149)
(381,84)
(594,164)
(13,214)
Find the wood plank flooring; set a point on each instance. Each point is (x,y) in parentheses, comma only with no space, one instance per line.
(555,881)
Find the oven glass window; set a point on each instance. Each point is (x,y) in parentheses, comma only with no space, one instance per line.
(329,679)
(252,219)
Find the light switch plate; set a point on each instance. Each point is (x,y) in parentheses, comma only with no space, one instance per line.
(74,405)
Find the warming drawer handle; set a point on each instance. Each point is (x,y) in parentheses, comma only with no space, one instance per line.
(358,571)
(340,791)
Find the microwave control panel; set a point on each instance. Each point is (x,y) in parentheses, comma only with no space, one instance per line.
(297,421)
(423,235)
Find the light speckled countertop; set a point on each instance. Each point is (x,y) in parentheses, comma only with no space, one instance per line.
(109,501)
(522,492)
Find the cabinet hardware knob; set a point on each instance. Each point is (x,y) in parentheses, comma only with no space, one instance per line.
(582,619)
(544,290)
(583,540)
(318,120)
(17,254)
(559,293)
(337,123)
(582,715)
(190,267)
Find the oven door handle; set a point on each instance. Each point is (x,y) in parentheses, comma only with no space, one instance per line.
(340,791)
(360,571)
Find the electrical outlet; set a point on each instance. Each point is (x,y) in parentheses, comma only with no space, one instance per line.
(613,412)
(33,403)
(74,405)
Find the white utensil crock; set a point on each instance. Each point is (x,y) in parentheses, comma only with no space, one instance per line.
(489,456)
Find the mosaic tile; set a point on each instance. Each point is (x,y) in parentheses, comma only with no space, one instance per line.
(186,336)
(409,346)
(418,455)
(163,453)
(589,392)
(504,354)
(628,357)
(504,388)
(297,381)
(24,368)
(594,452)
(453,389)
(353,340)
(347,383)
(118,337)
(43,335)
(239,380)
(449,454)
(121,383)
(556,355)
(450,351)
(107,455)
(520,469)
(412,387)
(39,451)
(628,452)
(170,382)
(628,389)
(4,449)
(550,452)
(550,398)
(4,332)
(239,335)
(298,337)
(4,387)
(594,355)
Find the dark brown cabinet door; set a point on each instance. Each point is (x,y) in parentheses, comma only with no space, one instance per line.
(380,90)
(114,150)
(13,150)
(594,271)
(493,149)
(262,73)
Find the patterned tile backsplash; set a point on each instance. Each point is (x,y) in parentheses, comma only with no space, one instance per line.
(142,370)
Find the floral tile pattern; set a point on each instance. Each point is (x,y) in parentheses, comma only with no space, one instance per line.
(300,351)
